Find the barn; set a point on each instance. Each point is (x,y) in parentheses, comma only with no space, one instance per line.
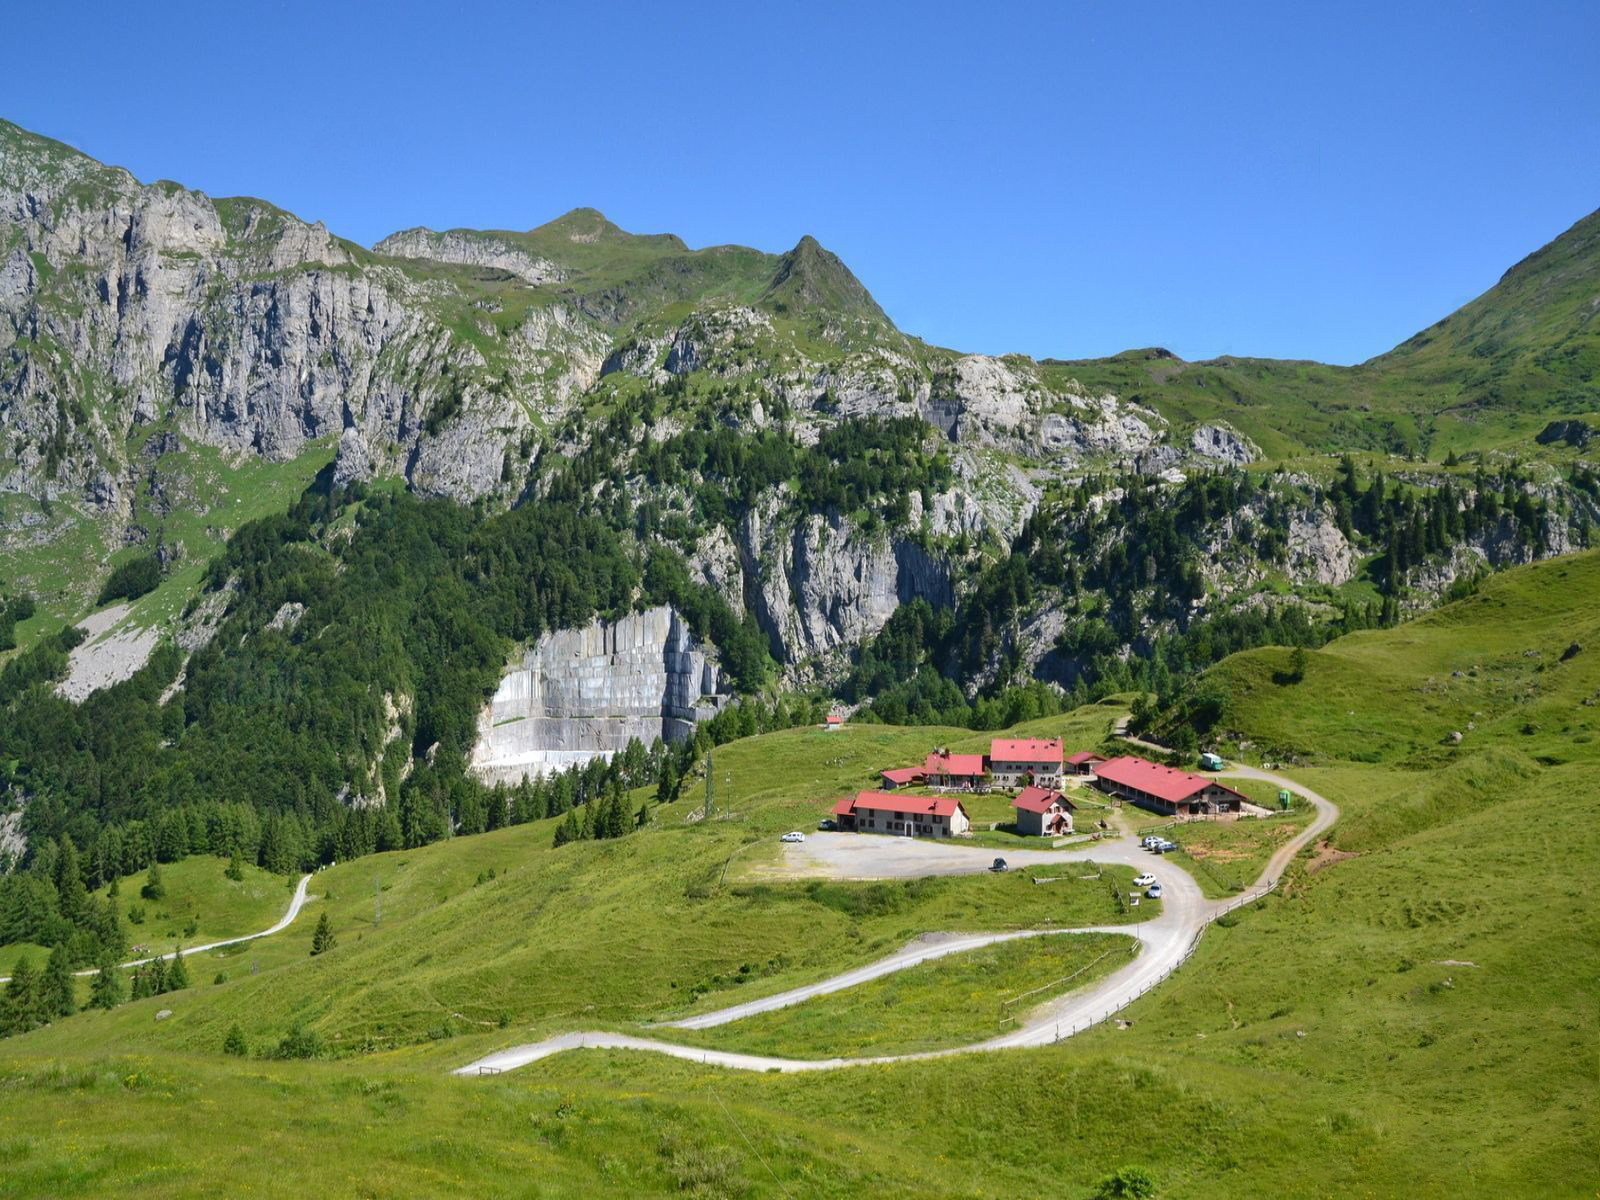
(1166,790)
(955,772)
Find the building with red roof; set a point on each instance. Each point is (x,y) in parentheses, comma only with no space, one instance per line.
(898,777)
(1020,762)
(1042,812)
(954,772)
(1166,789)
(905,816)
(1083,762)
(834,723)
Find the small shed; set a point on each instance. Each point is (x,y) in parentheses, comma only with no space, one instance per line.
(1083,762)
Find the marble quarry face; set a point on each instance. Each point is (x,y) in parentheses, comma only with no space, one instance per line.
(580,694)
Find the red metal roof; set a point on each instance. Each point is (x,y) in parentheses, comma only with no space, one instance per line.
(1025,750)
(902,775)
(953,764)
(1084,756)
(1164,783)
(939,806)
(835,720)
(1038,800)
(843,807)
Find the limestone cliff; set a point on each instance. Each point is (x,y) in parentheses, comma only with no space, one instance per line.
(578,694)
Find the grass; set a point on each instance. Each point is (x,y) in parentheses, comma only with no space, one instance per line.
(952,1001)
(1414,1018)
(201,904)
(1226,857)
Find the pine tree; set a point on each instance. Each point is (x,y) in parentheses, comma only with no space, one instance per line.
(177,973)
(235,869)
(322,939)
(1297,664)
(106,990)
(642,817)
(589,820)
(56,994)
(153,888)
(234,1043)
(158,977)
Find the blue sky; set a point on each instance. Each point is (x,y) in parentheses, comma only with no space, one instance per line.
(1069,179)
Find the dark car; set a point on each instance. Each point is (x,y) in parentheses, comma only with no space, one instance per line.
(999,864)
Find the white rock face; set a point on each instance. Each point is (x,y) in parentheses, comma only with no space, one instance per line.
(475,249)
(580,694)
(13,842)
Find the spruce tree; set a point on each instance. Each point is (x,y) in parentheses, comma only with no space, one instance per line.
(106,990)
(589,821)
(642,817)
(234,1043)
(235,869)
(19,1008)
(177,973)
(153,888)
(568,830)
(56,995)
(322,938)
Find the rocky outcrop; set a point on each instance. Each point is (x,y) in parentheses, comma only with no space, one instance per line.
(817,584)
(1223,444)
(1318,551)
(580,694)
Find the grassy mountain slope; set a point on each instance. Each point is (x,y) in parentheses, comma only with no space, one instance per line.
(1411,1016)
(1488,376)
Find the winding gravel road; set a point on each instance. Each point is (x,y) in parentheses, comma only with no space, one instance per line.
(1165,942)
(296,902)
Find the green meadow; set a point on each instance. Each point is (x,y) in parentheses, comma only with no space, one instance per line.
(1412,1014)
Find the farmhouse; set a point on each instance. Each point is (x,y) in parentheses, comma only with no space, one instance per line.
(1083,762)
(1019,762)
(1166,789)
(908,816)
(954,772)
(1042,813)
(899,777)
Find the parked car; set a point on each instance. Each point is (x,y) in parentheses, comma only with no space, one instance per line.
(794,835)
(1153,891)
(999,864)
(1144,880)
(825,823)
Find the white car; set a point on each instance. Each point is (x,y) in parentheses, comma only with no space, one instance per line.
(1144,880)
(1154,891)
(794,835)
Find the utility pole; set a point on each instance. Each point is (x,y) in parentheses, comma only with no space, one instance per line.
(709,789)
